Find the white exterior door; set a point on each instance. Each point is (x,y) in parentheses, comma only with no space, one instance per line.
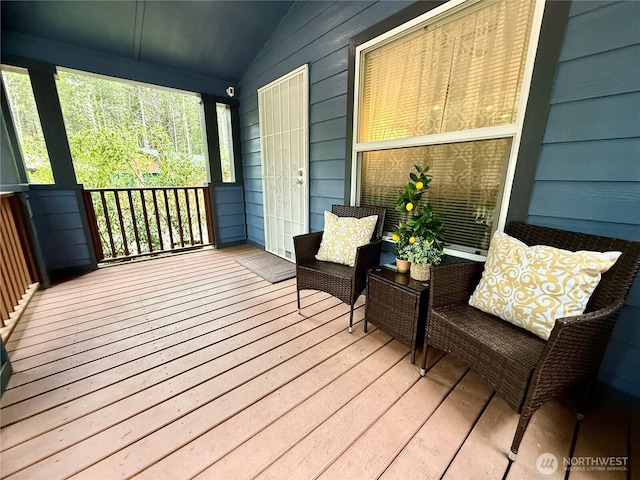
(284,145)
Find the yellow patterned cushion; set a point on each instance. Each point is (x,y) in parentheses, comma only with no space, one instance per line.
(531,287)
(343,235)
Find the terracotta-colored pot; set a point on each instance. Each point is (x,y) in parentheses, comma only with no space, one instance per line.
(402,266)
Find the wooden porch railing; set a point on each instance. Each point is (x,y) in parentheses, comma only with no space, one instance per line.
(18,276)
(132,222)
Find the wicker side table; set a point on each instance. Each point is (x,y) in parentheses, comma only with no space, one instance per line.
(397,304)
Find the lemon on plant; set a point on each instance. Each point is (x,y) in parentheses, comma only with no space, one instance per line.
(412,240)
(409,206)
(419,185)
(395,237)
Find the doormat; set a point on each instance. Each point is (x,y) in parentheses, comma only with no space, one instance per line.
(270,267)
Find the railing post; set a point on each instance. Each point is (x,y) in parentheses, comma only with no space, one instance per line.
(209,212)
(93,224)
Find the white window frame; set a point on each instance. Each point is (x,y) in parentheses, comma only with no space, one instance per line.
(513,130)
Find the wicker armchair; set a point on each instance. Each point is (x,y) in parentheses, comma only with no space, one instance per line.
(524,369)
(342,281)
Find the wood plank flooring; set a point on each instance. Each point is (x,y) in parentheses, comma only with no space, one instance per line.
(191,366)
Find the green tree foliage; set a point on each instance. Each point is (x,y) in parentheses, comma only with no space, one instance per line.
(28,128)
(123,135)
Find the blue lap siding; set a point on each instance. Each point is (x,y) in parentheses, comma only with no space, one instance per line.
(588,173)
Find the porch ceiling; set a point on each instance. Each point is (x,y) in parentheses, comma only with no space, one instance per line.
(214,38)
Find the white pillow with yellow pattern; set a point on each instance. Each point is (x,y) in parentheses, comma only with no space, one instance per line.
(343,235)
(531,287)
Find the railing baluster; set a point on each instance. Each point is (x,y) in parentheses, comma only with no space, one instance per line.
(166,205)
(195,194)
(18,250)
(15,250)
(18,276)
(155,207)
(6,307)
(146,220)
(7,296)
(121,220)
(133,221)
(175,194)
(9,261)
(186,198)
(106,217)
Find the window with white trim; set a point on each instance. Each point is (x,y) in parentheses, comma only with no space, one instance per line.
(448,90)
(26,121)
(225,139)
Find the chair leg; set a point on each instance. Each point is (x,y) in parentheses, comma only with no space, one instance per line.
(584,405)
(522,426)
(298,292)
(423,368)
(351,320)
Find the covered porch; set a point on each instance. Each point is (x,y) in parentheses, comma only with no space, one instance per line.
(192,366)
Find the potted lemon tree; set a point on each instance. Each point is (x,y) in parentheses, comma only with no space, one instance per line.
(420,238)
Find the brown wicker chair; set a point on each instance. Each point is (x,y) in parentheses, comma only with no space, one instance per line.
(524,369)
(342,281)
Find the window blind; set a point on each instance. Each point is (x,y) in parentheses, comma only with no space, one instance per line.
(466,185)
(462,72)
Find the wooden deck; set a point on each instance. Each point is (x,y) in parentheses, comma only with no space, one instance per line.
(192,367)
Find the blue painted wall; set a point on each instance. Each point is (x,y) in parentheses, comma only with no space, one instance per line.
(316,33)
(56,215)
(230,224)
(588,174)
